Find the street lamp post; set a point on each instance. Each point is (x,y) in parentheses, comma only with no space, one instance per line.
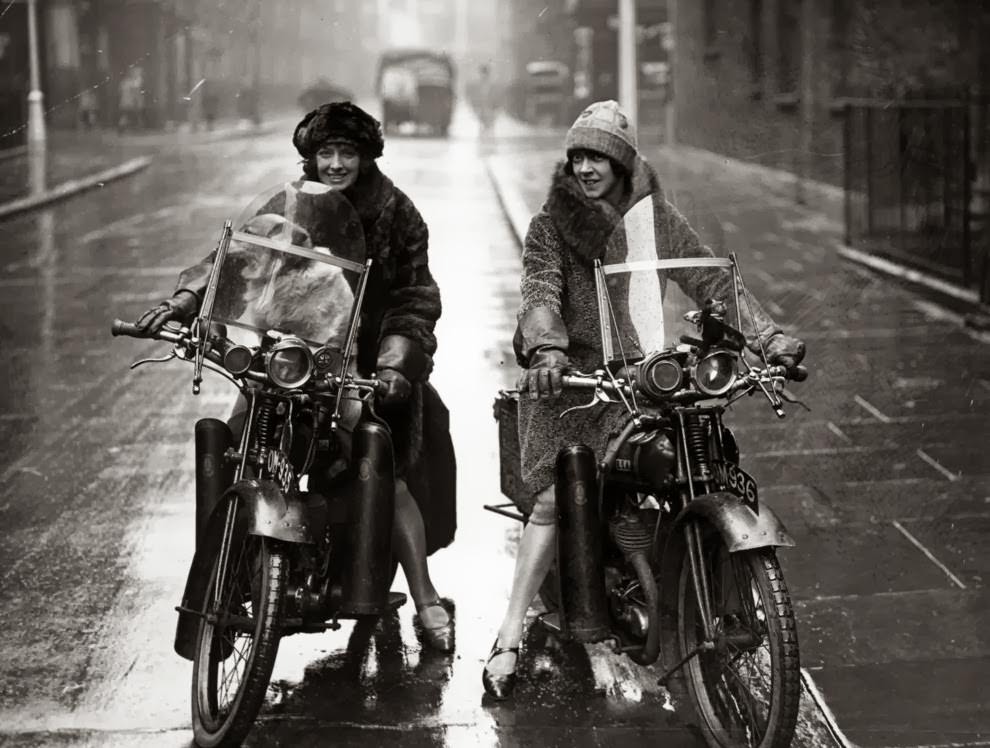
(628,79)
(36,110)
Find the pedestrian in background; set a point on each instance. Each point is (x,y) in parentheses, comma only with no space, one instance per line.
(131,100)
(88,109)
(602,177)
(483,97)
(210,97)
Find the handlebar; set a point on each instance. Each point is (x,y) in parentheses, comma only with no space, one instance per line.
(119,327)
(578,381)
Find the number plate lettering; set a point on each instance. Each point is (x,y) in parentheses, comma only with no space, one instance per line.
(734,479)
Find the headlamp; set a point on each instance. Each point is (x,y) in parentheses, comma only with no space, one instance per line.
(290,363)
(659,375)
(716,373)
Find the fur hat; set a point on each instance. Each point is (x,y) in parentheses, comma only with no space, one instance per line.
(604,128)
(339,120)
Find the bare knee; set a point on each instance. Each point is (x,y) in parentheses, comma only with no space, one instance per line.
(545,507)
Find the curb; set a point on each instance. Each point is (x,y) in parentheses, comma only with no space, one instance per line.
(767,174)
(510,198)
(962,301)
(14,152)
(74,186)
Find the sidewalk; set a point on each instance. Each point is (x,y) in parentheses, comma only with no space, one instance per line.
(884,484)
(79,160)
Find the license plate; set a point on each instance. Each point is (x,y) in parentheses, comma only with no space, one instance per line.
(735,480)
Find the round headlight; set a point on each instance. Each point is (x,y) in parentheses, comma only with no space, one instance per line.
(237,359)
(290,364)
(715,373)
(659,376)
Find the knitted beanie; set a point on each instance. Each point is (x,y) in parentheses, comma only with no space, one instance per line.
(604,128)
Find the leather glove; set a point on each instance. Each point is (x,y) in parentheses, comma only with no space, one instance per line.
(784,350)
(545,375)
(179,307)
(399,388)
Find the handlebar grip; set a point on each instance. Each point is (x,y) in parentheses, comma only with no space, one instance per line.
(119,327)
(798,374)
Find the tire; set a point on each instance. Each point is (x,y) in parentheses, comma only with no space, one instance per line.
(758,707)
(222,717)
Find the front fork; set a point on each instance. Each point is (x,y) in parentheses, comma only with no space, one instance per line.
(692,464)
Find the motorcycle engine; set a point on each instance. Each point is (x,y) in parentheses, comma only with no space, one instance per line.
(632,531)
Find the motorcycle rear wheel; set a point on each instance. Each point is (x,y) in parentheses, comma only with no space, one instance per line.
(236,648)
(746,689)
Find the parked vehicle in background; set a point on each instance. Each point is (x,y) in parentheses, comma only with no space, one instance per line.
(323,91)
(548,87)
(416,88)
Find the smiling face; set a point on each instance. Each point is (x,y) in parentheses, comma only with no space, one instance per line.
(338,165)
(595,174)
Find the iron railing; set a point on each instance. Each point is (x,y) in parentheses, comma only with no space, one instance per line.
(908,187)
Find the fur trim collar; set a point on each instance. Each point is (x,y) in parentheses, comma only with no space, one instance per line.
(371,193)
(585,225)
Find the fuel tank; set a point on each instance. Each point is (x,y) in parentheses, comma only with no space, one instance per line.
(646,459)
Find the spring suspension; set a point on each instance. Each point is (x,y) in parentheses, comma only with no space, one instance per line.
(265,425)
(697,440)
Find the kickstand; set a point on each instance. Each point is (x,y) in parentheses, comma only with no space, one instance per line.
(662,680)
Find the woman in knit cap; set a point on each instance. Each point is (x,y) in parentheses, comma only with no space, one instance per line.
(558,328)
(339,143)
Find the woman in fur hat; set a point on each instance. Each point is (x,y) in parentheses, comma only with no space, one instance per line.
(601,178)
(339,144)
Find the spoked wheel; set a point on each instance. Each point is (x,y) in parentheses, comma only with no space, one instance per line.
(237,643)
(746,687)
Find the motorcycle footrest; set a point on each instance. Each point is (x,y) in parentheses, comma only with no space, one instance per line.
(551,621)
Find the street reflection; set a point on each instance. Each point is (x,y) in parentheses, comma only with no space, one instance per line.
(376,679)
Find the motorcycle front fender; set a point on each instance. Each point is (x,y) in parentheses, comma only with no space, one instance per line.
(741,528)
(272,514)
(265,511)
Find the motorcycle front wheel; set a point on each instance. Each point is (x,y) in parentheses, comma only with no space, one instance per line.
(237,643)
(745,684)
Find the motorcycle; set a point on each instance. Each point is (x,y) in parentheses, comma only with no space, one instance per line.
(295,495)
(663,546)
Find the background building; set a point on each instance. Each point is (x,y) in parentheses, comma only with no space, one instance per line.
(884,98)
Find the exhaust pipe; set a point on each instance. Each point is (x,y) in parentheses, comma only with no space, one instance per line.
(368,565)
(213,474)
(584,612)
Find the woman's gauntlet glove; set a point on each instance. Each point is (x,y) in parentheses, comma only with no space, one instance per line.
(545,375)
(180,307)
(782,350)
(540,344)
(399,387)
(401,361)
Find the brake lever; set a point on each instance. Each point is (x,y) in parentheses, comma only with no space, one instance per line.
(599,396)
(160,360)
(788,396)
